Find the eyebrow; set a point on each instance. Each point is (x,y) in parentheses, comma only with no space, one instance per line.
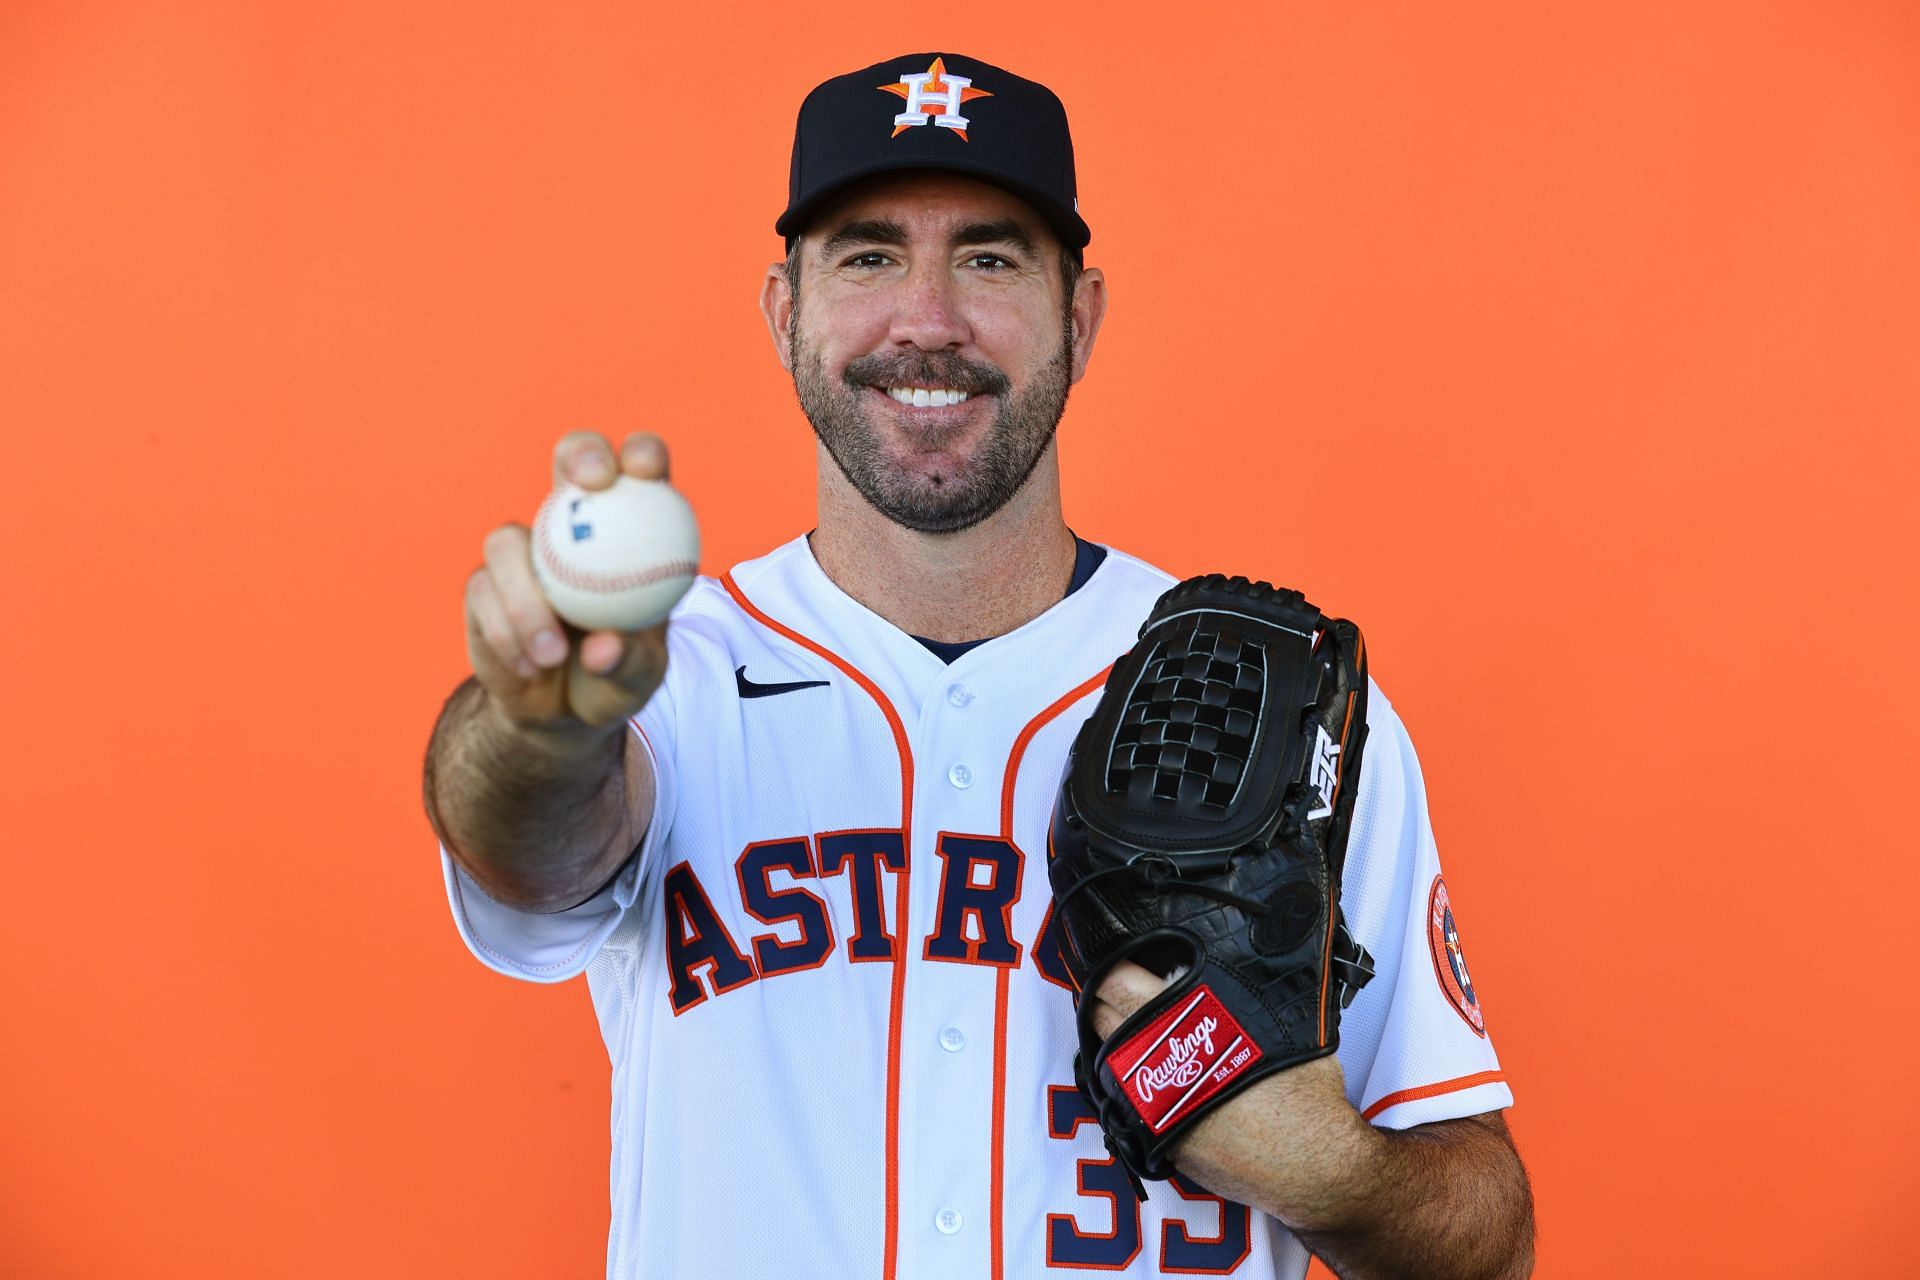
(999,231)
(886,231)
(864,231)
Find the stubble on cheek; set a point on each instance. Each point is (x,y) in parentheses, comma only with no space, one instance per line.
(935,496)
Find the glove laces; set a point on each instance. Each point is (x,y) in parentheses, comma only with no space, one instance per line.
(1162,874)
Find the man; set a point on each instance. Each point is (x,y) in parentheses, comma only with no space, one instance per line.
(800,865)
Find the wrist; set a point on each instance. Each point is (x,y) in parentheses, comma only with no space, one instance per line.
(566,740)
(1293,1147)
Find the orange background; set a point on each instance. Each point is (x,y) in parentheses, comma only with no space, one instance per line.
(1571,348)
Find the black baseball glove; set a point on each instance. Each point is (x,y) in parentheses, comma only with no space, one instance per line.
(1200,832)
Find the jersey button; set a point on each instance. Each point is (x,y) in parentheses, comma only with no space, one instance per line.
(953,1039)
(960,776)
(959,695)
(948,1220)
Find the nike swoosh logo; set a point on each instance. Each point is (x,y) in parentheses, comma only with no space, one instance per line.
(748,689)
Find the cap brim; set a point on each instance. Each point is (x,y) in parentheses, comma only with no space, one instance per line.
(1066,222)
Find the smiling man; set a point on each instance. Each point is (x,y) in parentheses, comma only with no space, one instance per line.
(957,465)
(803,865)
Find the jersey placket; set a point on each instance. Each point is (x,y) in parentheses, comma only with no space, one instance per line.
(947,1032)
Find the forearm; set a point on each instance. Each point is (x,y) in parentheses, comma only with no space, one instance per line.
(539,817)
(1446,1201)
(1435,1202)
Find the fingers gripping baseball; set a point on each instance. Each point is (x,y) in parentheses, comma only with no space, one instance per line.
(586,458)
(537,667)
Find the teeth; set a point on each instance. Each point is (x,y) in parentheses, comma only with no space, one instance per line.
(926,397)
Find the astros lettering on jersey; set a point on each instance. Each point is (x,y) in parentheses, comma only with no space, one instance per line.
(840,1030)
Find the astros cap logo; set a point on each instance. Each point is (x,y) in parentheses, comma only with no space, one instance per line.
(1023,143)
(934,86)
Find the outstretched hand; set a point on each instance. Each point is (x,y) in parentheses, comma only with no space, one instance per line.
(538,671)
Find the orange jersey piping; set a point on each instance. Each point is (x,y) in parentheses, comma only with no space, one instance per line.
(1433,1091)
(997,1188)
(897,997)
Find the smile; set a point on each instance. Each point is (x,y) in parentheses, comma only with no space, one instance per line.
(925,397)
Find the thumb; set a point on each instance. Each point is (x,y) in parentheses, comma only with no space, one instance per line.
(613,674)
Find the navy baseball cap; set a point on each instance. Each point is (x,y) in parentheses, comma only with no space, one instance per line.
(935,111)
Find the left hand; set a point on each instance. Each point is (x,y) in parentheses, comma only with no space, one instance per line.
(1290,1144)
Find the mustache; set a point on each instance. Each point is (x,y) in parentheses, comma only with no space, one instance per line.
(927,369)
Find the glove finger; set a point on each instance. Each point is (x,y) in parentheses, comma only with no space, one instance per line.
(1126,987)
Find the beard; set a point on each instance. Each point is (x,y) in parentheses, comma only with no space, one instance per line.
(939,501)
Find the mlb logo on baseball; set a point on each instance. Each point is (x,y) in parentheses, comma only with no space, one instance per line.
(1182,1058)
(616,558)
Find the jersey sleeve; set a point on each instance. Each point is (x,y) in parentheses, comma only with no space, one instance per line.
(1414,1044)
(552,947)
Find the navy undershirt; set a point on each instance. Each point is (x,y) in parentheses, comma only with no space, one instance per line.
(1086,558)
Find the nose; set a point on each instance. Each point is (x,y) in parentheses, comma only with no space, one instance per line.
(927,312)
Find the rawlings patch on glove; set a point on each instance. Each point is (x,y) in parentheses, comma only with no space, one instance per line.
(1200,832)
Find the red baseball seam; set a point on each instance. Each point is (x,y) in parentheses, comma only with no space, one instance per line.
(585,580)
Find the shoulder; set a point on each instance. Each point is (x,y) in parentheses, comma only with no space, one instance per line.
(718,624)
(1126,584)
(716,605)
(1121,565)
(1120,570)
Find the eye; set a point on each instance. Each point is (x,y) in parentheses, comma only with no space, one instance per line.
(871,258)
(989,262)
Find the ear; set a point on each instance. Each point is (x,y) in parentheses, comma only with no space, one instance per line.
(777,307)
(1089,311)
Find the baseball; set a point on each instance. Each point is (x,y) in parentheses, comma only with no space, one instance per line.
(615,559)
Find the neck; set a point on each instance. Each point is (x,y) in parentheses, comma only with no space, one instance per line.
(981,582)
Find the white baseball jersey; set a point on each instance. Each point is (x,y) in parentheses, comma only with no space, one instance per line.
(830,984)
